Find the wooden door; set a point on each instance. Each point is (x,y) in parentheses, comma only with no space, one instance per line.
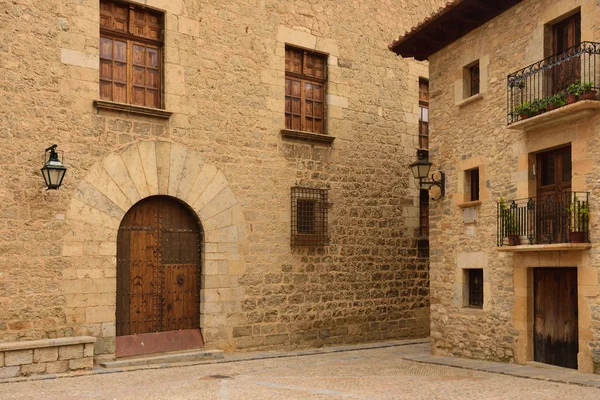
(565,35)
(556,338)
(158,268)
(553,170)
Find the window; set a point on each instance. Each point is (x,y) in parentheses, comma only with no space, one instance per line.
(474,74)
(305,77)
(309,217)
(130,54)
(423,114)
(472,181)
(423,241)
(475,287)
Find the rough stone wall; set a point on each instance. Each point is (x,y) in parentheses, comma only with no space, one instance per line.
(474,134)
(224,84)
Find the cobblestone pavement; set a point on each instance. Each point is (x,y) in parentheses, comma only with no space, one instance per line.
(365,374)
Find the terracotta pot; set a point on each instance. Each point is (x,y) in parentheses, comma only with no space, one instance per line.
(589,95)
(551,107)
(524,116)
(572,98)
(514,240)
(577,237)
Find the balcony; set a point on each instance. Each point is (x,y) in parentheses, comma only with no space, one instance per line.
(562,86)
(558,218)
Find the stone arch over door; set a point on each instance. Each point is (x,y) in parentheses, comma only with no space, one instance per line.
(111,187)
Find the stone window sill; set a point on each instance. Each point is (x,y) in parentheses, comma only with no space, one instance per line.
(307,136)
(469,204)
(132,109)
(469,100)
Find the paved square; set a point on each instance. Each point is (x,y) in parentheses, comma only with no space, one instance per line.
(364,374)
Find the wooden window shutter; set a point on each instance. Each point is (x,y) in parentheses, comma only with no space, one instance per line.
(305,90)
(130,54)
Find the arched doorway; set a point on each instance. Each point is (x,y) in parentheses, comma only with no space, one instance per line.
(158,278)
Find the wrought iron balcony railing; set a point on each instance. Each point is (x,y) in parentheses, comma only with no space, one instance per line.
(549,218)
(554,82)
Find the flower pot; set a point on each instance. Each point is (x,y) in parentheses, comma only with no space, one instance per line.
(577,237)
(572,98)
(524,116)
(514,240)
(552,107)
(589,95)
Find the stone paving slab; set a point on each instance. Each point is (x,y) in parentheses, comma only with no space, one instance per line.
(550,373)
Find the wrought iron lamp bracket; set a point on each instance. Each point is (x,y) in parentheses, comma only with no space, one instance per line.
(440,183)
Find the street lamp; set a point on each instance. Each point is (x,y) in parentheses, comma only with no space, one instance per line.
(53,170)
(420,170)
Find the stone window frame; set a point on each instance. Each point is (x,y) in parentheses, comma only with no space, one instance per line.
(465,262)
(463,195)
(462,85)
(336,101)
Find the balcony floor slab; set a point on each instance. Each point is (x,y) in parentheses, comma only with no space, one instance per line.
(565,114)
(546,247)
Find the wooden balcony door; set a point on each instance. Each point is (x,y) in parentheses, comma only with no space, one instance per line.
(566,34)
(158,270)
(553,192)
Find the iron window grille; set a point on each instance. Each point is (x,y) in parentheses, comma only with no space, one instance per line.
(476,288)
(309,217)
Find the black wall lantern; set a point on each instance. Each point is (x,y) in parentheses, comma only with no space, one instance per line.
(420,170)
(53,171)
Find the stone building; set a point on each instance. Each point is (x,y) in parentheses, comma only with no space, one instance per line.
(236,178)
(514,259)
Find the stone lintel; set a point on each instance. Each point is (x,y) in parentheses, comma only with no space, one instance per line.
(546,247)
(36,344)
(132,109)
(307,136)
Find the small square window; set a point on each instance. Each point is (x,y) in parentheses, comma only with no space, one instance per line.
(474,288)
(472,184)
(309,217)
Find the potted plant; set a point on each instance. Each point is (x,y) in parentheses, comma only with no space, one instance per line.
(588,91)
(524,110)
(557,101)
(573,92)
(542,105)
(509,221)
(579,214)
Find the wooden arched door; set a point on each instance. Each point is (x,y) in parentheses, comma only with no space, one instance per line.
(158,278)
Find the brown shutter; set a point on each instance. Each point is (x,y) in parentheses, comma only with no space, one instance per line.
(130,54)
(305,90)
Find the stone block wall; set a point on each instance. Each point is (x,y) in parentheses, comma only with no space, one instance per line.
(46,356)
(224,84)
(474,133)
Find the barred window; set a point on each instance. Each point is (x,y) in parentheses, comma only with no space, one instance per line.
(309,217)
(475,279)
(305,77)
(130,54)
